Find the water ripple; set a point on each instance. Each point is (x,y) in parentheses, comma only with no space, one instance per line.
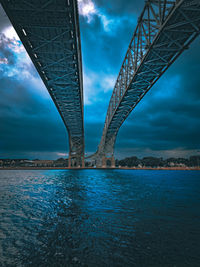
(99,218)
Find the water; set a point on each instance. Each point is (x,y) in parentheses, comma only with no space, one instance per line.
(99,218)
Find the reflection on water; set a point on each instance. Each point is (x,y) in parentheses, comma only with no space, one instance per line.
(99,218)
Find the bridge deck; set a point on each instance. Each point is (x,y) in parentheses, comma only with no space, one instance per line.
(165,29)
(49,30)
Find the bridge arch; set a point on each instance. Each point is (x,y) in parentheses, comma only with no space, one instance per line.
(164,30)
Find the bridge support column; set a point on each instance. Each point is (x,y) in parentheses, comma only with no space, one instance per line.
(103,164)
(83,162)
(98,162)
(69,161)
(112,162)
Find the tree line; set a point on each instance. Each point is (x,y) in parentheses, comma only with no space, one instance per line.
(193,161)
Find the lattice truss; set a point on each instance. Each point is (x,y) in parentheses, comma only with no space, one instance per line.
(164,30)
(49,30)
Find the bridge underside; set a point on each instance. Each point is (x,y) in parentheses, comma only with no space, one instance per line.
(49,31)
(165,29)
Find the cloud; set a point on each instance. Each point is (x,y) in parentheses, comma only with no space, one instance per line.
(3,61)
(95,84)
(29,121)
(112,23)
(121,7)
(4,21)
(88,84)
(108,82)
(10,33)
(146,152)
(89,10)
(64,155)
(16,64)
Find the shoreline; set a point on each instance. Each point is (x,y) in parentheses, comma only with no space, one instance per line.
(109,168)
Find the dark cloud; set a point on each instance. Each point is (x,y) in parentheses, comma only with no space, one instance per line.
(4,21)
(169,115)
(119,7)
(108,48)
(29,121)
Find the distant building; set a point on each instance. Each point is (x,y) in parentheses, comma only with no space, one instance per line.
(43,163)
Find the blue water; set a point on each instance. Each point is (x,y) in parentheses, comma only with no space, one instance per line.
(100,218)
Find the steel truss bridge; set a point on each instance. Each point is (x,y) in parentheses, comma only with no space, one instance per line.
(165,29)
(49,30)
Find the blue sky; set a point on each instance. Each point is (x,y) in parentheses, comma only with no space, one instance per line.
(165,123)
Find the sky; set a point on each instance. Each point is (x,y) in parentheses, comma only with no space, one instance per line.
(165,123)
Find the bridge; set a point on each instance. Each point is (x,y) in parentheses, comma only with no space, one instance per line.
(165,29)
(49,31)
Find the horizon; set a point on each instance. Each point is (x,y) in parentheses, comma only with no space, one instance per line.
(133,156)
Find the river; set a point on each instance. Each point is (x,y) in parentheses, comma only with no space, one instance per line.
(99,218)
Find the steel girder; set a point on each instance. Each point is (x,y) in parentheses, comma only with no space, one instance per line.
(49,30)
(164,30)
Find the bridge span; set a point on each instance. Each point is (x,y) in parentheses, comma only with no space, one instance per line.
(165,29)
(49,31)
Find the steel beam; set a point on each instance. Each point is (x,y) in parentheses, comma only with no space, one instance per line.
(49,31)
